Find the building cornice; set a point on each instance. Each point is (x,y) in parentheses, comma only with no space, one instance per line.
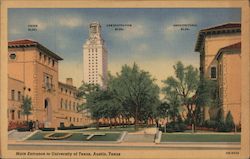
(26,43)
(229,28)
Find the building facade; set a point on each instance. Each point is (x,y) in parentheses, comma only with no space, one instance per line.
(33,72)
(219,66)
(95,64)
(229,79)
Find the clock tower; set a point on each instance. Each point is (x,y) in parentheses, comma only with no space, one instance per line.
(95,57)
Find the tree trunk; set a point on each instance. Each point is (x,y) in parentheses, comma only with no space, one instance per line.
(97,124)
(136,118)
(122,122)
(110,123)
(115,122)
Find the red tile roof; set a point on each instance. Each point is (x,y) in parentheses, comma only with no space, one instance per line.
(22,42)
(220,29)
(32,43)
(233,46)
(224,26)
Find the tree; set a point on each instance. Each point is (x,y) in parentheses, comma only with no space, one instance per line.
(136,91)
(97,102)
(162,111)
(26,106)
(207,95)
(229,122)
(183,88)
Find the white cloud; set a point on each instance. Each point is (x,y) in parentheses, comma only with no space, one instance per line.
(15,31)
(70,21)
(137,30)
(41,25)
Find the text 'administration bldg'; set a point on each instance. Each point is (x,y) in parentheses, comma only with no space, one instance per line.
(33,71)
(220,61)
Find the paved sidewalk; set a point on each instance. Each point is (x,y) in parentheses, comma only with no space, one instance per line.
(139,138)
(15,135)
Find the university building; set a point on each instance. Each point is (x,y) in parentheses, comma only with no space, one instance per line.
(220,60)
(95,60)
(33,72)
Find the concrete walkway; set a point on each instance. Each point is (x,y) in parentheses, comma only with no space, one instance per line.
(139,138)
(15,135)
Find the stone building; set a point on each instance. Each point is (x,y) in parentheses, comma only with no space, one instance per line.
(95,60)
(33,72)
(215,45)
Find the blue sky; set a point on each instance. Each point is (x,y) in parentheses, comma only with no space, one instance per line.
(152,41)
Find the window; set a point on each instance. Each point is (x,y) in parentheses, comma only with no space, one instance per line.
(44,58)
(61,103)
(12,114)
(53,63)
(19,96)
(40,56)
(12,56)
(49,60)
(48,82)
(19,114)
(74,106)
(66,104)
(69,105)
(12,94)
(213,72)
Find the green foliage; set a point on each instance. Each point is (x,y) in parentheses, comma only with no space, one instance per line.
(175,127)
(220,124)
(26,106)
(181,89)
(136,91)
(162,110)
(131,93)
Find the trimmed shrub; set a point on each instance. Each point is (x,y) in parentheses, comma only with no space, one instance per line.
(229,122)
(23,129)
(72,127)
(47,129)
(174,127)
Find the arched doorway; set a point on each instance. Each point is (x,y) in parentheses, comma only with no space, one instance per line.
(48,111)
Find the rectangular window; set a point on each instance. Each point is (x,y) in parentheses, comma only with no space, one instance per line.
(19,114)
(12,94)
(213,73)
(48,82)
(13,114)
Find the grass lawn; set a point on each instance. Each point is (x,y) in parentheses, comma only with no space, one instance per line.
(78,137)
(168,137)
